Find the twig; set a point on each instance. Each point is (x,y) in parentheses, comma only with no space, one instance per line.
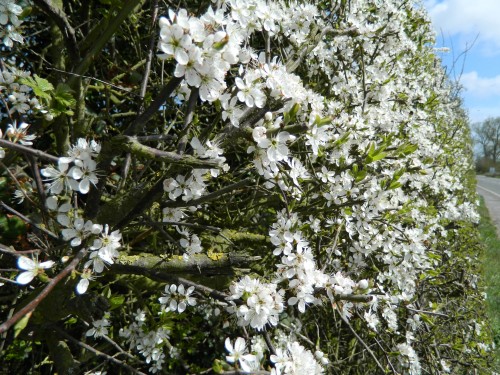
(8,250)
(156,274)
(39,184)
(191,225)
(44,293)
(8,280)
(211,196)
(59,17)
(126,89)
(18,147)
(362,342)
(16,181)
(335,241)
(290,329)
(155,138)
(267,38)
(137,125)
(269,344)
(125,169)
(95,351)
(427,312)
(29,221)
(188,120)
(118,347)
(149,57)
(161,267)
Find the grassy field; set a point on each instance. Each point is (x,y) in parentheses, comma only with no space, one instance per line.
(491,271)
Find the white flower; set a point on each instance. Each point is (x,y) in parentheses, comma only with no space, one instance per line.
(20,133)
(84,282)
(238,353)
(81,151)
(32,268)
(189,70)
(296,360)
(59,178)
(263,303)
(79,230)
(100,327)
(192,244)
(9,11)
(250,94)
(177,298)
(84,171)
(108,245)
(174,42)
(95,261)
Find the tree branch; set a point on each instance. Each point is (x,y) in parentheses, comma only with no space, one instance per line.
(27,220)
(133,146)
(106,29)
(137,125)
(28,150)
(211,196)
(61,20)
(198,264)
(44,293)
(96,352)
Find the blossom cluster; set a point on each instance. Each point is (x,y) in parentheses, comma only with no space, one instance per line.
(9,32)
(149,343)
(337,119)
(262,303)
(295,359)
(18,96)
(177,298)
(102,243)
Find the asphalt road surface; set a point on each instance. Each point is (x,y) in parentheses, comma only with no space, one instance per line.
(489,188)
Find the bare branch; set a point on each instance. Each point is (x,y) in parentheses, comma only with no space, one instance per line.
(28,150)
(44,293)
(133,146)
(61,20)
(197,264)
(27,220)
(137,125)
(96,352)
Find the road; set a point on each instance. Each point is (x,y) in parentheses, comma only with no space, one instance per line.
(489,188)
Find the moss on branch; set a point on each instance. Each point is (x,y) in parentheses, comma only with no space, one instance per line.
(199,264)
(132,145)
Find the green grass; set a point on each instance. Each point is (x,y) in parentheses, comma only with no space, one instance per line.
(491,272)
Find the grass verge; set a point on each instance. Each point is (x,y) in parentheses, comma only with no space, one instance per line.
(491,272)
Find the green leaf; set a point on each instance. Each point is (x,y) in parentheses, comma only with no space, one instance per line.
(21,324)
(116,302)
(360,176)
(375,157)
(426,319)
(394,185)
(64,101)
(40,86)
(43,84)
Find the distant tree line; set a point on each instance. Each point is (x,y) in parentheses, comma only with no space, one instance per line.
(487,138)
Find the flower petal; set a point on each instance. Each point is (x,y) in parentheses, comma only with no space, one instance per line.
(27,264)
(25,277)
(82,286)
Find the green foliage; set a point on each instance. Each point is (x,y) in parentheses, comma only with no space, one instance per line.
(491,265)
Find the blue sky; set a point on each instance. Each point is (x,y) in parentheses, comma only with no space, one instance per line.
(472,25)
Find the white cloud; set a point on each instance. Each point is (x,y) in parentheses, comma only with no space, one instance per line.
(480,86)
(467,18)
